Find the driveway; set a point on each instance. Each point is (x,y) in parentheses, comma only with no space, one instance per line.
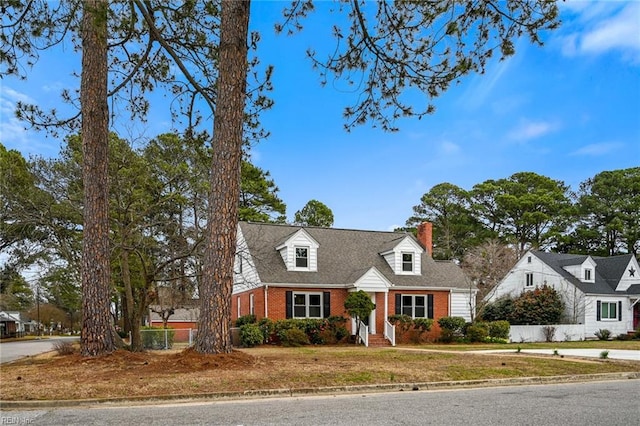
(588,353)
(10,351)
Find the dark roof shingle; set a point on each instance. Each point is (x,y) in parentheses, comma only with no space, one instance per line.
(344,255)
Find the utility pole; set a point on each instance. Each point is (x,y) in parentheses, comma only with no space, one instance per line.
(38,307)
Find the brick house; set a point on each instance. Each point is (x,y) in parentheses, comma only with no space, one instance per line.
(284,271)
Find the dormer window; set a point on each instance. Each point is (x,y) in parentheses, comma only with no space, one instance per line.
(587,274)
(407,262)
(302,257)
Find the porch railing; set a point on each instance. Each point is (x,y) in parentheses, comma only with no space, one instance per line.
(390,332)
(364,334)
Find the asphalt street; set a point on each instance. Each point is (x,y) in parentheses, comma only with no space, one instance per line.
(10,351)
(594,403)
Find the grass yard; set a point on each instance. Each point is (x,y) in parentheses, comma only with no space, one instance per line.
(158,373)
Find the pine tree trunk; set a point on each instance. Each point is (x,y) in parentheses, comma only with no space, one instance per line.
(98,334)
(217,281)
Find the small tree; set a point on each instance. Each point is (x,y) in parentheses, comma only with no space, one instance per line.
(359,305)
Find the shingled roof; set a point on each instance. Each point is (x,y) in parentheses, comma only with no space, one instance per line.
(344,255)
(608,271)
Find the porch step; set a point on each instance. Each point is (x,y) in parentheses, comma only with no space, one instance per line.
(378,340)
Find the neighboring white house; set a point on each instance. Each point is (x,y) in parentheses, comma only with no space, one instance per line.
(598,292)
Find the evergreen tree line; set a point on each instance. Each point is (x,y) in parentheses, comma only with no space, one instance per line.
(530,211)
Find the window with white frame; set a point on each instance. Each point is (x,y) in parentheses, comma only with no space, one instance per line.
(587,274)
(307,305)
(609,310)
(407,262)
(302,257)
(252,306)
(414,305)
(239,263)
(529,279)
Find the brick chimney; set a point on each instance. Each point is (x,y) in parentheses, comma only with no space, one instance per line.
(425,236)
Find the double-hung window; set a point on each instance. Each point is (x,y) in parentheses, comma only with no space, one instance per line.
(302,257)
(307,305)
(407,262)
(415,305)
(609,310)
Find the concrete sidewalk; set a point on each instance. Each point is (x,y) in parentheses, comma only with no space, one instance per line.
(587,353)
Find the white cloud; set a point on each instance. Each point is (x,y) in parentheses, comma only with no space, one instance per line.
(448,148)
(597,149)
(604,27)
(528,130)
(14,135)
(7,94)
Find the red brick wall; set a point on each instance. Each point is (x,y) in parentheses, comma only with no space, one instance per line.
(245,303)
(277,300)
(440,307)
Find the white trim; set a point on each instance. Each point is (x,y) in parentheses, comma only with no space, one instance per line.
(307,303)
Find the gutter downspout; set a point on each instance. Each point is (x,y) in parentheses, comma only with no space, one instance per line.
(266,301)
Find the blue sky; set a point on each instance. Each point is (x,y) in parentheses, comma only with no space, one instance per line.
(568,110)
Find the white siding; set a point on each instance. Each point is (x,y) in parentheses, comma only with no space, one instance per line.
(614,326)
(513,285)
(300,239)
(460,304)
(394,257)
(627,279)
(248,278)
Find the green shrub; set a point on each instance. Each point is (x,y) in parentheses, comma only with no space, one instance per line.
(497,311)
(423,324)
(294,337)
(336,328)
(499,329)
(477,332)
(251,335)
(157,338)
(245,319)
(451,328)
(403,322)
(267,326)
(603,334)
(542,305)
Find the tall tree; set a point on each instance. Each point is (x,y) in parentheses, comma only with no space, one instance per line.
(609,211)
(15,293)
(98,335)
(389,47)
(259,201)
(314,213)
(527,209)
(217,279)
(447,206)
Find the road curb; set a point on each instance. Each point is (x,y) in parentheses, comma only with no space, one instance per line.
(301,392)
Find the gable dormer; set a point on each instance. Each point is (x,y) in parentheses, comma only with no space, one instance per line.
(404,257)
(300,252)
(630,275)
(585,271)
